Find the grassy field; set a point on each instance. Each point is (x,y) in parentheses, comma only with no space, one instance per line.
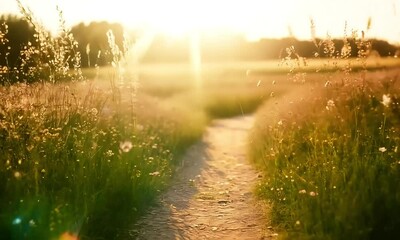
(235,68)
(85,151)
(329,152)
(86,158)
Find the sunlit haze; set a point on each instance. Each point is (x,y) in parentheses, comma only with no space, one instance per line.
(254,18)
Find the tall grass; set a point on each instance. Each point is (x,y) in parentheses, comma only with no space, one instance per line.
(49,58)
(83,159)
(78,159)
(69,164)
(330,156)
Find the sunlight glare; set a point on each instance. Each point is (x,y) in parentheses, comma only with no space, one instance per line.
(180,17)
(195,58)
(254,18)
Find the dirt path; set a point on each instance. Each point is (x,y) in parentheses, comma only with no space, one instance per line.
(211,197)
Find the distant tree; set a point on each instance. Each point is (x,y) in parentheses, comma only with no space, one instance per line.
(93,41)
(18,33)
(383,47)
(93,45)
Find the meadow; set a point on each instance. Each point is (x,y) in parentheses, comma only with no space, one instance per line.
(84,152)
(329,153)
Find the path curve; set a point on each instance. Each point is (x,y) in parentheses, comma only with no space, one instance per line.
(211,197)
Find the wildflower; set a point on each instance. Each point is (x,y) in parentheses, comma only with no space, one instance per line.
(303,191)
(109,153)
(313,194)
(382,149)
(297,222)
(386,100)
(328,83)
(330,105)
(94,111)
(17,174)
(125,146)
(32,223)
(280,123)
(155,173)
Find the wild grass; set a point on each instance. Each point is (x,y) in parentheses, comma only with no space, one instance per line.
(80,158)
(85,157)
(48,58)
(329,152)
(71,162)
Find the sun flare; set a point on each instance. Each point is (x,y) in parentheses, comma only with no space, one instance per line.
(179,17)
(253,18)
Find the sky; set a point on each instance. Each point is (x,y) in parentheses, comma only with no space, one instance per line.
(254,18)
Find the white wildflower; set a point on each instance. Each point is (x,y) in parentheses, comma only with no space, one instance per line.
(330,105)
(386,100)
(382,149)
(94,111)
(154,173)
(109,153)
(32,223)
(17,174)
(328,83)
(125,146)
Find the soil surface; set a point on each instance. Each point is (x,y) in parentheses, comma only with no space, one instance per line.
(211,196)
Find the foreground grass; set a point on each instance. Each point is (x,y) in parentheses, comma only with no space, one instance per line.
(85,159)
(331,160)
(82,158)
(80,163)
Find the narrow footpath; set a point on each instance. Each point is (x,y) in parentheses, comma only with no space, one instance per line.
(211,197)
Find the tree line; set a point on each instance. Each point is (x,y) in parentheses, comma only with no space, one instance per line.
(93,42)
(236,47)
(95,50)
